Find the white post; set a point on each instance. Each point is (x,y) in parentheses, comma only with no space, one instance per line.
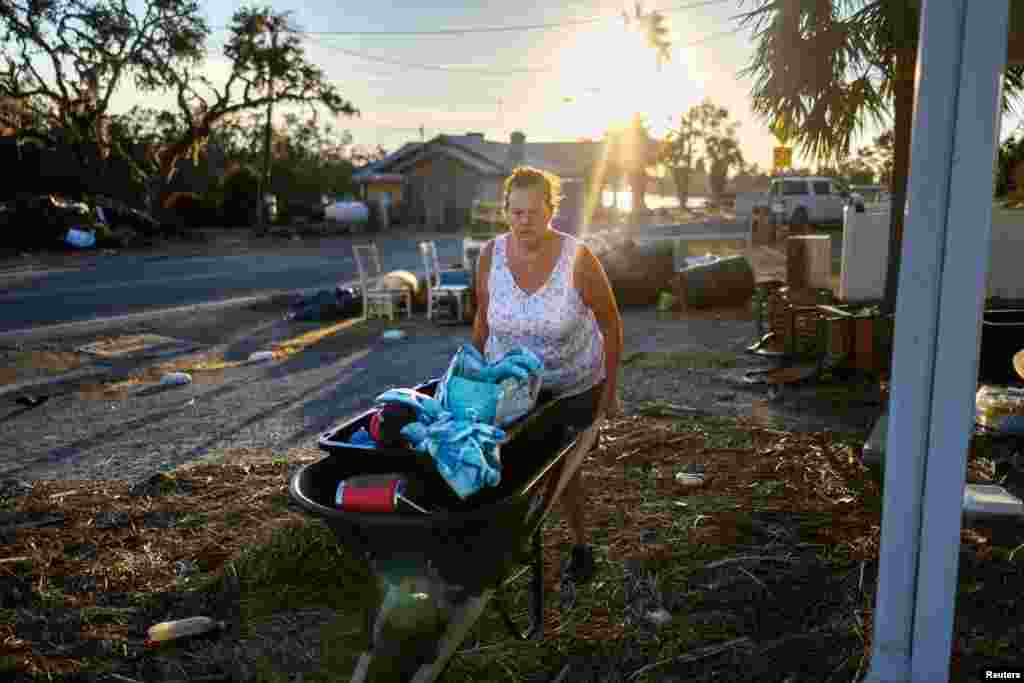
(962,51)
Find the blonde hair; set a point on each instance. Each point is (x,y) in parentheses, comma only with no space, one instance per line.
(528,176)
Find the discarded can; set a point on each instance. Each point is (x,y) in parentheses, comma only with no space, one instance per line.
(373,493)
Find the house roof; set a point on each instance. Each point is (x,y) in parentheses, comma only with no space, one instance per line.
(382,165)
(565,159)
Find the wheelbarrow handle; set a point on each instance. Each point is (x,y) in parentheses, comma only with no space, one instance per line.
(572,461)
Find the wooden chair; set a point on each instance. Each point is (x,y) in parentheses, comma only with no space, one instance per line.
(444,283)
(379,301)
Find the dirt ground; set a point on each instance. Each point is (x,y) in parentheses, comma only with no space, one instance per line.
(764,572)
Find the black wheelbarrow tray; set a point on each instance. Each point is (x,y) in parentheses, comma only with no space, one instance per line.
(454,559)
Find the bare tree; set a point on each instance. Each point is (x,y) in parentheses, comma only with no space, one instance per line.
(92,49)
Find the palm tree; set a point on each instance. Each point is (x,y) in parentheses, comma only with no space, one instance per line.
(640,150)
(823,69)
(724,153)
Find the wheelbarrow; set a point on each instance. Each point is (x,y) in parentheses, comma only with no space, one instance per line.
(450,561)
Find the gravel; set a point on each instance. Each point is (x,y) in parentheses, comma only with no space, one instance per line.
(279,406)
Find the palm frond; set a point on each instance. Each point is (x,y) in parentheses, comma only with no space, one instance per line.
(1013,88)
(823,68)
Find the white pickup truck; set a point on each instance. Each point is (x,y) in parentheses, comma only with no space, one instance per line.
(801,200)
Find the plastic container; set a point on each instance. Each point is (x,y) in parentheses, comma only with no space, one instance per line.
(1000,408)
(981,500)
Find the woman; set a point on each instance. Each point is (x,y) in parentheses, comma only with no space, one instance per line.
(546,290)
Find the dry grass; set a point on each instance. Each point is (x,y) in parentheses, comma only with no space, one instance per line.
(783,526)
(23,364)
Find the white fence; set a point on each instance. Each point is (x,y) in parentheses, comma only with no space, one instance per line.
(866,254)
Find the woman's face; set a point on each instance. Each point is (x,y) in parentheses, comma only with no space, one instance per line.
(528,213)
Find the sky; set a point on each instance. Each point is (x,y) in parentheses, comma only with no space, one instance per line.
(561,84)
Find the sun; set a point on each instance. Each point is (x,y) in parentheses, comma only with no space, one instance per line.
(609,73)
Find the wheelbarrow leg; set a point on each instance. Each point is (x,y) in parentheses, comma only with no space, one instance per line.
(536,630)
(378,620)
(462,619)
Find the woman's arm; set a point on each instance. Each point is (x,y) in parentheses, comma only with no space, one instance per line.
(483,274)
(596,292)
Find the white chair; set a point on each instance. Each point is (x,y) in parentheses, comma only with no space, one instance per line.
(471,249)
(443,283)
(378,300)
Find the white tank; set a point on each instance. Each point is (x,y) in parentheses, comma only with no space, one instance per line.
(347,212)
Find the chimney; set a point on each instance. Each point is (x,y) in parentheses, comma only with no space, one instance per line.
(516,153)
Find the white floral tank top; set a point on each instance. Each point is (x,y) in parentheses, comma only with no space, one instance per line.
(553,322)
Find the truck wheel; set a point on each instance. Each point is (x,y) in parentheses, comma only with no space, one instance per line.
(799,216)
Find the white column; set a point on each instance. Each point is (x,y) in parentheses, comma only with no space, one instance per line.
(961,54)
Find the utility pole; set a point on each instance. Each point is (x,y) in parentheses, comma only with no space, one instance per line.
(265,184)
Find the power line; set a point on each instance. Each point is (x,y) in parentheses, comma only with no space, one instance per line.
(434,67)
(505,29)
(488,72)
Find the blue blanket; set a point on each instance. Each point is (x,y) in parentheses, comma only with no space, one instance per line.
(464,451)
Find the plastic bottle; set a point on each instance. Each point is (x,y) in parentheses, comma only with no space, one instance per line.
(182,628)
(176,379)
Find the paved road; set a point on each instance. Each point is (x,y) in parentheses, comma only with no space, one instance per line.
(130,284)
(124,284)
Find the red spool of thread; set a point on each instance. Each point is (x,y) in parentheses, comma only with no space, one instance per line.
(369,493)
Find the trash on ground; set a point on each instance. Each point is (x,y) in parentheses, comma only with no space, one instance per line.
(181,628)
(704,260)
(658,617)
(666,301)
(31,401)
(1000,408)
(393,335)
(982,500)
(343,302)
(690,478)
(260,356)
(137,345)
(82,239)
(176,379)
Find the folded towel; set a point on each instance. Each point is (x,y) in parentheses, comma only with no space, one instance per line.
(465,451)
(500,392)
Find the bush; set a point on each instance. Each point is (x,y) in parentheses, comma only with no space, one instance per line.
(105,237)
(186,210)
(240,190)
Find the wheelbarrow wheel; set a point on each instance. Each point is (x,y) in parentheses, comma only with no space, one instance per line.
(535,595)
